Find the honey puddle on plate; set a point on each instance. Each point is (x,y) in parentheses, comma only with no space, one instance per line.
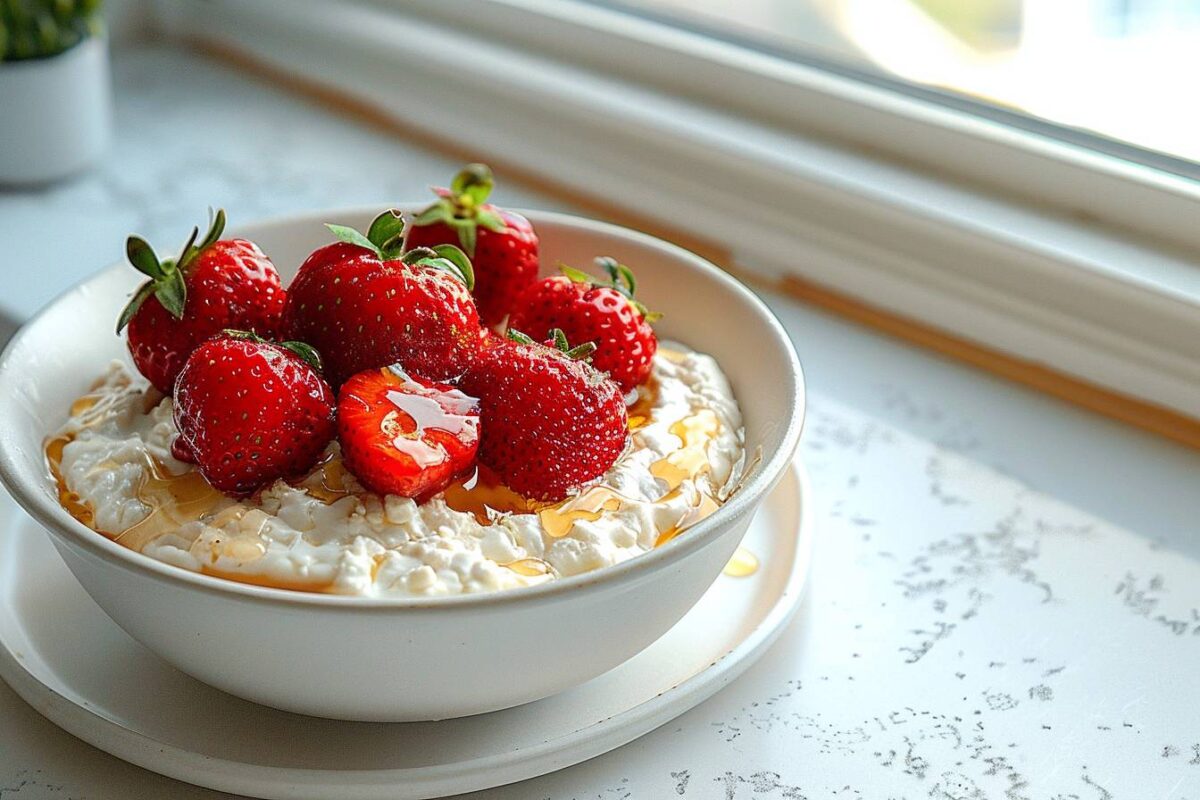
(175,500)
(742,564)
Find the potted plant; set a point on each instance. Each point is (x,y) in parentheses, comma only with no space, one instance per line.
(55,115)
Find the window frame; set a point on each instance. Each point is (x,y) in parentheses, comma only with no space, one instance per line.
(820,99)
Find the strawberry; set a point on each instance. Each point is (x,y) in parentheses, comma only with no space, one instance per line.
(488,338)
(551,423)
(403,435)
(502,246)
(214,285)
(588,310)
(365,304)
(250,411)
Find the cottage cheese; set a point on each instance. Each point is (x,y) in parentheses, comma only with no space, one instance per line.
(686,456)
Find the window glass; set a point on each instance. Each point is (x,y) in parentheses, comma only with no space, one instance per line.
(1118,71)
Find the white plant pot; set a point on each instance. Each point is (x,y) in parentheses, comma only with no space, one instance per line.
(55,114)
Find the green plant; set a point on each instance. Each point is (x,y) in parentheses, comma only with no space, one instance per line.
(44,28)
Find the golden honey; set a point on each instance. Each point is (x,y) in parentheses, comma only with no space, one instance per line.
(176,500)
(173,500)
(703,507)
(483,495)
(267,581)
(68,499)
(587,506)
(327,481)
(647,396)
(742,564)
(529,567)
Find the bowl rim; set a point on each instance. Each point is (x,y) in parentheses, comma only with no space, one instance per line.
(62,525)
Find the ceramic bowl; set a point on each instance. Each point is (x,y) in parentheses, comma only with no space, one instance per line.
(391,659)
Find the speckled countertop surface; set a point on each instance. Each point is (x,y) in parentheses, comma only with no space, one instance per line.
(1005,601)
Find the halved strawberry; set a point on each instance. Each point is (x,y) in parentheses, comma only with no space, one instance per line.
(403,435)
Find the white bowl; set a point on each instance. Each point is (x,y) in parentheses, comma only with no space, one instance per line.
(406,658)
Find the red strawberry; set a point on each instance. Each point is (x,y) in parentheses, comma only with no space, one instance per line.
(403,435)
(502,245)
(588,310)
(551,423)
(488,338)
(364,304)
(250,411)
(214,285)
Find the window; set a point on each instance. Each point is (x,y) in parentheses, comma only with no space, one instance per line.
(1110,74)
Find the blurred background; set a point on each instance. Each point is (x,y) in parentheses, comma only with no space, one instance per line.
(1121,69)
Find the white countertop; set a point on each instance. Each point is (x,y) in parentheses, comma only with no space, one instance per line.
(1005,599)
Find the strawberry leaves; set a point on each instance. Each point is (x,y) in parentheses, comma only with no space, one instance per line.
(556,341)
(385,238)
(306,352)
(444,257)
(140,296)
(344,233)
(620,279)
(142,256)
(167,277)
(463,207)
(387,231)
(474,182)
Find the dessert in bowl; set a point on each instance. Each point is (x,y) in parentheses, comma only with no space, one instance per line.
(422,595)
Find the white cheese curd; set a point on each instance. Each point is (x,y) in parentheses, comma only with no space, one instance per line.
(686,455)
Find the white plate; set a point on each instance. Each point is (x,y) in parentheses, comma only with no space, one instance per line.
(69,661)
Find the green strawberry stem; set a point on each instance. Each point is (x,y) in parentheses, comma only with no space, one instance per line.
(385,238)
(387,231)
(306,352)
(167,277)
(463,207)
(578,353)
(444,257)
(620,279)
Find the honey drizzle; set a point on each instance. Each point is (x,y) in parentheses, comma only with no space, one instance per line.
(90,409)
(485,497)
(742,564)
(327,480)
(588,506)
(70,501)
(529,567)
(704,506)
(175,500)
(639,412)
(267,581)
(691,460)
